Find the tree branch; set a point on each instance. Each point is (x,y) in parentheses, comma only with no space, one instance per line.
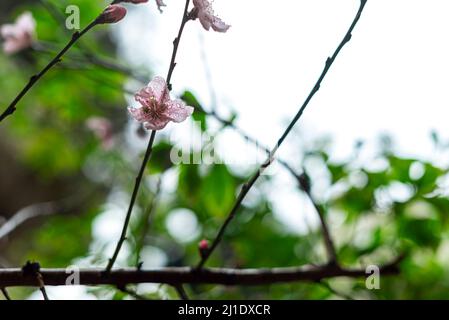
(185,19)
(247,186)
(132,293)
(182,275)
(147,222)
(305,185)
(5,293)
(35,78)
(181,292)
(133,200)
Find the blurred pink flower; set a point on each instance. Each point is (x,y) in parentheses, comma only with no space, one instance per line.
(208,19)
(158,108)
(112,14)
(102,129)
(20,35)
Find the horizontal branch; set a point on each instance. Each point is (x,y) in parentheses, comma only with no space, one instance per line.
(181,275)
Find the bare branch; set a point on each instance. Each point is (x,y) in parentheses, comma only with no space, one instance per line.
(181,292)
(133,200)
(5,293)
(304,183)
(35,78)
(171,68)
(132,293)
(182,275)
(330,247)
(147,222)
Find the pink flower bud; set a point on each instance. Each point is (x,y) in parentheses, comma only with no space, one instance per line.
(112,14)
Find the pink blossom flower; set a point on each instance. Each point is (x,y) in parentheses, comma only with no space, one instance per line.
(102,129)
(158,108)
(208,19)
(112,14)
(20,35)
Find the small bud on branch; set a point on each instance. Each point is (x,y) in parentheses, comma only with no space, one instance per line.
(112,14)
(203,247)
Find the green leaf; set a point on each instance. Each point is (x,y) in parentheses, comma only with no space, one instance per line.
(218,190)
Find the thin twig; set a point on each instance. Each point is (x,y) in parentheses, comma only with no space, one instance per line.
(44,292)
(89,58)
(5,293)
(133,200)
(330,247)
(247,186)
(333,291)
(181,292)
(185,19)
(35,78)
(132,293)
(147,222)
(304,183)
(182,275)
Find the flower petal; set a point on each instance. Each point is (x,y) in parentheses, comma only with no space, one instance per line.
(177,111)
(26,23)
(8,31)
(159,89)
(143,96)
(219,26)
(201,4)
(138,114)
(205,20)
(156,124)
